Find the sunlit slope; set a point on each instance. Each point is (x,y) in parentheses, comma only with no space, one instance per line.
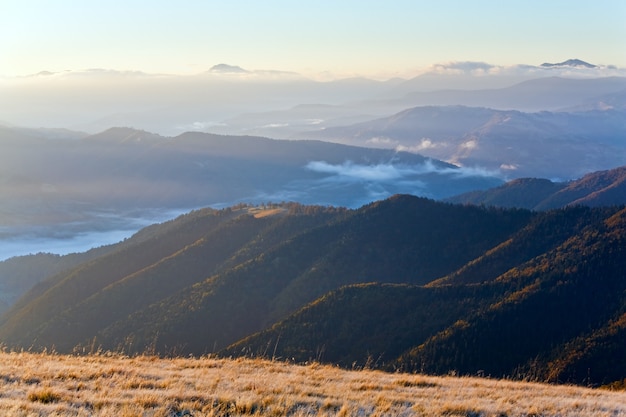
(601,188)
(551,320)
(234,273)
(404,283)
(547,304)
(108,385)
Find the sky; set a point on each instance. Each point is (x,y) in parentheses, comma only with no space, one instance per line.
(338,37)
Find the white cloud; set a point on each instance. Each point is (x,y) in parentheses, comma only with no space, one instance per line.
(465,172)
(199,126)
(275,125)
(425,143)
(381,140)
(393,172)
(523,71)
(458,68)
(508,167)
(380,172)
(470,144)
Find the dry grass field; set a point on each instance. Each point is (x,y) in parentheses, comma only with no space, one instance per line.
(33,384)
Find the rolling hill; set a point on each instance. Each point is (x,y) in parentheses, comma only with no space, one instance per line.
(601,188)
(19,274)
(271,265)
(545,304)
(563,145)
(405,283)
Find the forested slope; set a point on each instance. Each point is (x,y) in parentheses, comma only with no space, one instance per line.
(401,284)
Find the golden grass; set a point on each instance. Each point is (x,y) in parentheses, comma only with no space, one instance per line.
(260,212)
(33,384)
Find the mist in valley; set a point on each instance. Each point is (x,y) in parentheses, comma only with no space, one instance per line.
(90,157)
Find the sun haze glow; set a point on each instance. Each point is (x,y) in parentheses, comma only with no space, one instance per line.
(345,38)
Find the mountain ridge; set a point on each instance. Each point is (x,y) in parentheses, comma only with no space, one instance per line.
(514,143)
(19,274)
(595,189)
(123,177)
(489,335)
(404,283)
(307,252)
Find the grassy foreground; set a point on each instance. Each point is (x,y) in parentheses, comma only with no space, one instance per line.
(33,384)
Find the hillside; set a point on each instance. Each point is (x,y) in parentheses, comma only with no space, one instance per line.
(61,192)
(358,326)
(135,169)
(519,144)
(545,304)
(102,385)
(404,283)
(19,274)
(565,298)
(162,289)
(601,188)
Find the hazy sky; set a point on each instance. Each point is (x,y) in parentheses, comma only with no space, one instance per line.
(344,37)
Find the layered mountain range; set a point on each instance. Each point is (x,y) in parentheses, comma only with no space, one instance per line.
(405,283)
(123,169)
(333,251)
(478,125)
(54,183)
(563,145)
(602,188)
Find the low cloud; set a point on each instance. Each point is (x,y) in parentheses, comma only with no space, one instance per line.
(466,67)
(274,125)
(381,140)
(470,144)
(478,69)
(352,185)
(82,242)
(509,167)
(94,230)
(199,126)
(393,172)
(467,172)
(347,184)
(379,172)
(425,143)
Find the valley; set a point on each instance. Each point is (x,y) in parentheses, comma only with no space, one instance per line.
(442,232)
(320,208)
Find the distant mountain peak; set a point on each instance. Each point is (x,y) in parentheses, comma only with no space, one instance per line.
(569,63)
(123,135)
(227,69)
